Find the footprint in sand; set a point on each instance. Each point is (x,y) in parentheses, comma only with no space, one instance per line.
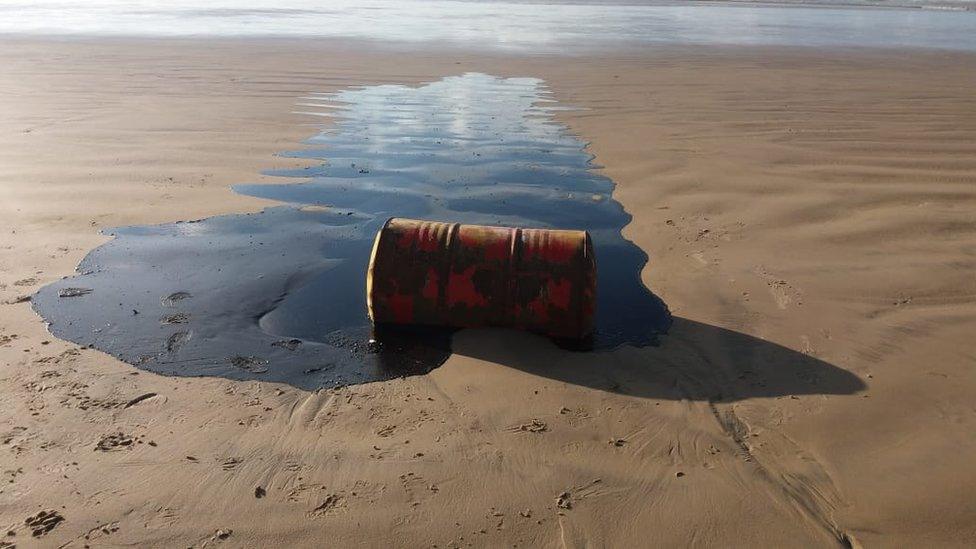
(143,398)
(43,522)
(533,426)
(176,341)
(564,500)
(331,505)
(783,292)
(251,364)
(101,531)
(289,344)
(175,318)
(74,292)
(10,437)
(116,441)
(416,488)
(10,475)
(172,299)
(567,499)
(218,536)
(65,357)
(700,257)
(231,463)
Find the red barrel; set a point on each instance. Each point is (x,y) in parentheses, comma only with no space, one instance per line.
(448,274)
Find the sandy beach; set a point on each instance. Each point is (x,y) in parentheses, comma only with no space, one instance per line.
(809,219)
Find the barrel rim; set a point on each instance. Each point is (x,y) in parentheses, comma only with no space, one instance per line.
(369,268)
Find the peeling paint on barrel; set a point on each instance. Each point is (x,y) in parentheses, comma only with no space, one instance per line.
(451,274)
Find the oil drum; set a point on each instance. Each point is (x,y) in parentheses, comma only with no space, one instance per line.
(450,274)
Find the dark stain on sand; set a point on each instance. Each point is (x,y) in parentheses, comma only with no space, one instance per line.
(280,295)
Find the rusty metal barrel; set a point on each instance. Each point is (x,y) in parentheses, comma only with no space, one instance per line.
(449,274)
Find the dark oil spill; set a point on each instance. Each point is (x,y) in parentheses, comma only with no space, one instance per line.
(280,295)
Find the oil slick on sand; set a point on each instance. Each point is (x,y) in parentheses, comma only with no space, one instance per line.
(279,295)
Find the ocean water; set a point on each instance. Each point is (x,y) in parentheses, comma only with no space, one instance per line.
(514,25)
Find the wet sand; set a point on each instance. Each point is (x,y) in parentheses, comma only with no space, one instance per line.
(808,217)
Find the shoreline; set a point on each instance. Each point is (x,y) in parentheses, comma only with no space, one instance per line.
(610,50)
(561,28)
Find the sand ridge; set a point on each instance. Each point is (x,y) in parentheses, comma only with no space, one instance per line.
(808,221)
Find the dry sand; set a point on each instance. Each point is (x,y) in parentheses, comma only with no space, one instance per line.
(810,221)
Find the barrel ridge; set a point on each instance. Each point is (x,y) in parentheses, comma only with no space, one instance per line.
(444,270)
(587,287)
(514,260)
